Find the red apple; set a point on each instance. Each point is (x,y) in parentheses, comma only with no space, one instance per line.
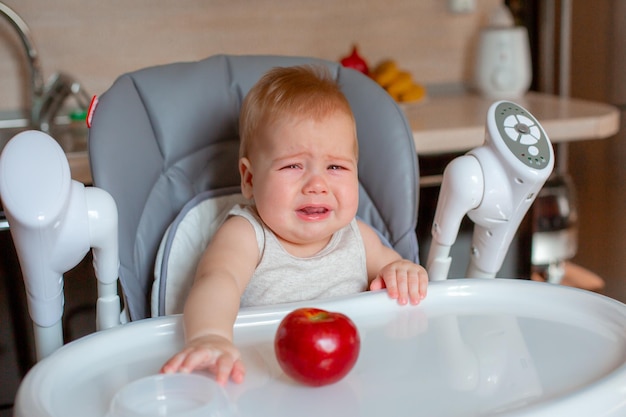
(316,347)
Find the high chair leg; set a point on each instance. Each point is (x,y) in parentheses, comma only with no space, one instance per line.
(47,339)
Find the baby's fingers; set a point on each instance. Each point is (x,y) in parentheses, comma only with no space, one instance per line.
(173,364)
(403,283)
(197,359)
(377,284)
(238,372)
(416,287)
(226,366)
(188,360)
(223,368)
(423,283)
(392,284)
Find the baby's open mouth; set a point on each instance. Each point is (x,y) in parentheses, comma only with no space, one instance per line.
(313,210)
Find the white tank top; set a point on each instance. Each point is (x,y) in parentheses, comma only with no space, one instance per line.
(338,269)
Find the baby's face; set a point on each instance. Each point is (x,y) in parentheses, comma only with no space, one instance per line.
(303,178)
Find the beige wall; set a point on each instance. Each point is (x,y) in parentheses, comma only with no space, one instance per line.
(97,40)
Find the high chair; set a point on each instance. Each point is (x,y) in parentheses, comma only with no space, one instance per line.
(163,148)
(166,136)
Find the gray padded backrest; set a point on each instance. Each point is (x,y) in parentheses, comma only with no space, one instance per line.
(161,135)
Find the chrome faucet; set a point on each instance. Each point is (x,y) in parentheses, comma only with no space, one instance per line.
(46,99)
(46,106)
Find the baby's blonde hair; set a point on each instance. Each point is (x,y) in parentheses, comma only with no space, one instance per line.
(301,91)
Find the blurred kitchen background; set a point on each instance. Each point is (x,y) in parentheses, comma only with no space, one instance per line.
(598,72)
(578,50)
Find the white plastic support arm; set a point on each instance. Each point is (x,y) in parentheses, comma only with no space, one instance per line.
(461,191)
(103,238)
(54,220)
(517,158)
(494,184)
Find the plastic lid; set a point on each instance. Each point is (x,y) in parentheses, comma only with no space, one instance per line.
(170,395)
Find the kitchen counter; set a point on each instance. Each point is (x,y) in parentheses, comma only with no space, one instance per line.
(449,123)
(455,122)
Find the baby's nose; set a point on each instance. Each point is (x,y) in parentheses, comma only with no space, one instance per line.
(315,184)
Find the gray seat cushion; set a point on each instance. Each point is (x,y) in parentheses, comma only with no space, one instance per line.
(161,135)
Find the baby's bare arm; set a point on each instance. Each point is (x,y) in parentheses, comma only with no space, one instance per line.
(213,303)
(404,280)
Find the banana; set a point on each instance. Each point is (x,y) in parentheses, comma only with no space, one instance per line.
(398,83)
(385,72)
(415,93)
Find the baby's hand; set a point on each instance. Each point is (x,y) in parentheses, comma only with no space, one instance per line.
(212,352)
(404,280)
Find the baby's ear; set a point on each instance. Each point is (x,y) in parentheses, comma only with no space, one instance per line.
(245,172)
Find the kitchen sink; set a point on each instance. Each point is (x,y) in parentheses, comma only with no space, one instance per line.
(71,135)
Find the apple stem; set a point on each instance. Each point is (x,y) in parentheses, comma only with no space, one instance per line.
(318,316)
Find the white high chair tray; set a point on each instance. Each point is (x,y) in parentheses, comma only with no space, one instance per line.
(473,347)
